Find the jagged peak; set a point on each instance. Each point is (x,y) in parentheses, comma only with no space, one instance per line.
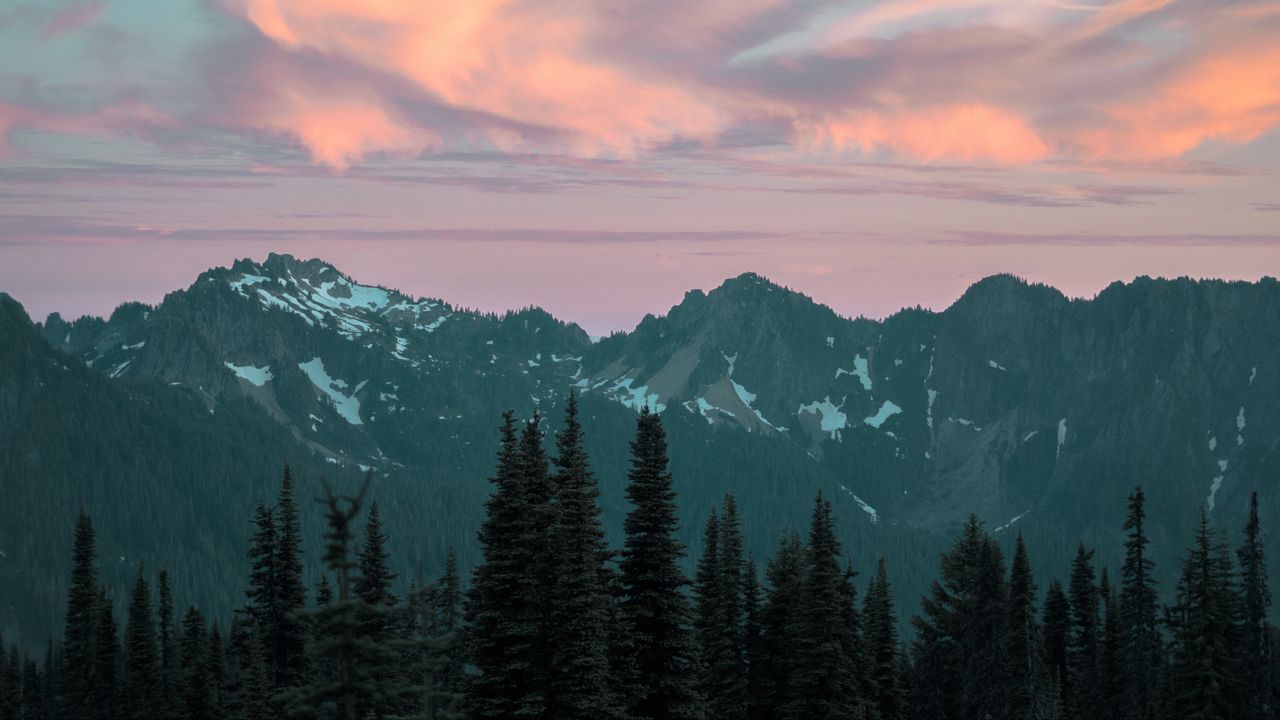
(1005,287)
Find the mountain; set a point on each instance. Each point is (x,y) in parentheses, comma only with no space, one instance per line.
(1036,412)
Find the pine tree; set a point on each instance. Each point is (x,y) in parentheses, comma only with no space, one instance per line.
(503,609)
(1257,661)
(825,673)
(724,645)
(884,664)
(1057,636)
(373,585)
(216,672)
(1204,677)
(106,660)
(81,629)
(774,669)
(960,637)
(1140,642)
(1084,649)
(356,686)
(169,677)
(1029,686)
(655,608)
(753,646)
(142,661)
(290,592)
(324,591)
(1112,690)
(196,690)
(262,592)
(705,587)
(578,685)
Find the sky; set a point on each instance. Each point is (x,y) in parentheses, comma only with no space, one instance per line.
(600,158)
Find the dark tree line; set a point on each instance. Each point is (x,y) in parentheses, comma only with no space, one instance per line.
(556,625)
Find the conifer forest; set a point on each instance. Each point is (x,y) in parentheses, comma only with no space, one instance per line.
(554,624)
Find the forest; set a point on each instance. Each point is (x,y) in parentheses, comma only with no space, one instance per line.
(554,624)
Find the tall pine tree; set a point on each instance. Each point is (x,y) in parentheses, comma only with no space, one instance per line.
(142,660)
(654,606)
(578,686)
(1140,642)
(82,621)
(1257,663)
(883,661)
(1084,655)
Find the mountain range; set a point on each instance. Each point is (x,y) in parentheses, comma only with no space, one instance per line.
(1036,412)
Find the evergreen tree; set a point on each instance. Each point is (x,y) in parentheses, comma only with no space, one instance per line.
(578,685)
(774,668)
(216,672)
(261,594)
(1085,699)
(825,671)
(196,690)
(503,611)
(959,645)
(1205,680)
(81,629)
(655,608)
(324,591)
(356,687)
(1140,643)
(373,585)
(883,662)
(1257,662)
(705,587)
(169,678)
(725,683)
(1112,689)
(106,660)
(142,661)
(1057,637)
(1029,693)
(753,645)
(290,594)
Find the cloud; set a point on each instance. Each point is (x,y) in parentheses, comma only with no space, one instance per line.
(1099,83)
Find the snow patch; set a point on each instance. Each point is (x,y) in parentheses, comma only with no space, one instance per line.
(118,370)
(636,398)
(1012,520)
(1214,485)
(933,395)
(831,419)
(886,411)
(747,397)
(135,346)
(346,405)
(1029,435)
(1062,437)
(1253,374)
(729,359)
(246,280)
(875,518)
(859,369)
(1213,443)
(996,366)
(253,375)
(831,342)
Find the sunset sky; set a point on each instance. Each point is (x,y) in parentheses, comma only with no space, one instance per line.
(600,157)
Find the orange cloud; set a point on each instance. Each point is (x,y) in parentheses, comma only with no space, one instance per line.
(526,62)
(1230,94)
(971,132)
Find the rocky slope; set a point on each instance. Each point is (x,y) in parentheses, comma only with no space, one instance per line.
(1036,412)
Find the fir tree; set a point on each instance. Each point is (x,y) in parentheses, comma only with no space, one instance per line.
(324,591)
(578,604)
(81,628)
(106,660)
(1084,650)
(753,646)
(169,679)
(1057,636)
(505,625)
(1140,642)
(705,586)
(196,690)
(1205,683)
(142,661)
(654,606)
(356,687)
(774,667)
(287,628)
(884,664)
(725,662)
(373,585)
(1029,686)
(1112,689)
(262,593)
(825,673)
(1257,661)
(960,636)
(216,672)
